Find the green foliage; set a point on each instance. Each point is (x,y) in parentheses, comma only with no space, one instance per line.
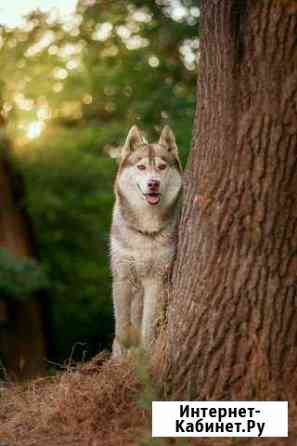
(150,393)
(69,90)
(69,196)
(19,277)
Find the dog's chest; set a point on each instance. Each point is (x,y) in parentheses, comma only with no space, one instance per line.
(153,255)
(146,255)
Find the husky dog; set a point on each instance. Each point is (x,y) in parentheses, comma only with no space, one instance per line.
(143,234)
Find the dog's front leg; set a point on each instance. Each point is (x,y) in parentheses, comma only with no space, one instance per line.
(122,298)
(153,289)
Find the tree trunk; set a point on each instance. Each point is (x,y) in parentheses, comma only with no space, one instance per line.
(232,317)
(22,340)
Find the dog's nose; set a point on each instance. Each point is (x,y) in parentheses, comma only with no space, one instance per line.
(153,185)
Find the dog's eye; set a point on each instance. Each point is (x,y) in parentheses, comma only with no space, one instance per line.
(141,167)
(162,166)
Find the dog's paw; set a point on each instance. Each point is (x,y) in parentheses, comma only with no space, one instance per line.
(118,349)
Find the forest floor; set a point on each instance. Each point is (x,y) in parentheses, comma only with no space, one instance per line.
(102,403)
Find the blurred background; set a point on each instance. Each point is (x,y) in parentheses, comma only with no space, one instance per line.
(75,76)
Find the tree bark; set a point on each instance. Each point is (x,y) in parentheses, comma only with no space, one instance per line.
(232,316)
(22,333)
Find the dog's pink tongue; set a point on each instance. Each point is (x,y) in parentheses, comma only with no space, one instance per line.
(153,199)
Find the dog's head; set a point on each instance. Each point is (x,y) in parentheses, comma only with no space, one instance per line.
(149,174)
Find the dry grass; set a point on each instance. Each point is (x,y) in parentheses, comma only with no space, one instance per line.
(94,405)
(97,404)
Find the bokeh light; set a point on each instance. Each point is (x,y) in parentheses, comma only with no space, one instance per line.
(35,129)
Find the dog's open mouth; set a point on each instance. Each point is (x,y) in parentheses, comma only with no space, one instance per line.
(152,198)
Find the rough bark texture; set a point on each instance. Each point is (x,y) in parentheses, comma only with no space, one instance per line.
(22,341)
(232,320)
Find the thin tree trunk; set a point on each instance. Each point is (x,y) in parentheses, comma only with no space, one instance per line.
(22,340)
(232,319)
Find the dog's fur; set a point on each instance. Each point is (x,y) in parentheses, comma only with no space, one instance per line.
(143,235)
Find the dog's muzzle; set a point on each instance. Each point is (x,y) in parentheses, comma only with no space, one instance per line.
(152,198)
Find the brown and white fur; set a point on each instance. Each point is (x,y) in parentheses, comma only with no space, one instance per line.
(143,234)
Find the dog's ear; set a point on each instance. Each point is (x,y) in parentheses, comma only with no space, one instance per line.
(167,139)
(133,140)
